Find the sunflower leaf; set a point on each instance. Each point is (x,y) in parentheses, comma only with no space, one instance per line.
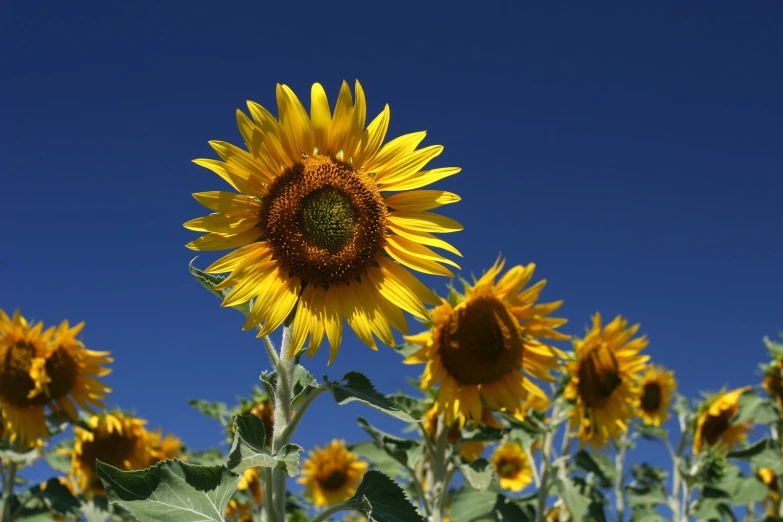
(481,433)
(209,281)
(478,473)
(754,408)
(407,349)
(649,432)
(380,499)
(26,458)
(304,384)
(413,406)
(404,451)
(762,454)
(247,450)
(598,464)
(207,457)
(59,456)
(55,496)
(171,491)
(354,386)
(213,409)
(774,348)
(379,459)
(576,502)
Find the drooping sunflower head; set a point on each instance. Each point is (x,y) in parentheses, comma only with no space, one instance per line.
(656,391)
(46,369)
(331,474)
(484,346)
(468,450)
(314,222)
(512,466)
(116,439)
(604,380)
(714,426)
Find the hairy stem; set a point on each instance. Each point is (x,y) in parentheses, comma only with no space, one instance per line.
(283,398)
(546,464)
(289,430)
(268,508)
(619,467)
(8,488)
(436,475)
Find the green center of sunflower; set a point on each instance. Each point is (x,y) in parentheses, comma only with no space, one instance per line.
(16,383)
(480,342)
(599,376)
(651,397)
(335,480)
(508,468)
(715,426)
(324,221)
(327,218)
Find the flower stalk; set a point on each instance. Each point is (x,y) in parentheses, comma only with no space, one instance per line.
(619,468)
(280,433)
(546,463)
(8,490)
(437,474)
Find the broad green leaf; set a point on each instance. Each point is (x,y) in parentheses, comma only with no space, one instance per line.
(478,473)
(55,496)
(25,458)
(171,491)
(575,501)
(304,384)
(354,386)
(213,409)
(762,454)
(649,432)
(525,432)
(381,500)
(97,509)
(59,456)
(746,490)
(599,464)
(247,450)
(481,433)
(470,503)
(404,451)
(407,349)
(210,281)
(754,408)
(411,405)
(207,457)
(379,459)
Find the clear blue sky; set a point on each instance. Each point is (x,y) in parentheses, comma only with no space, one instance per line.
(632,151)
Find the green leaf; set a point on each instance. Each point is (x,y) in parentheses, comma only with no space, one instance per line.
(97,509)
(478,473)
(213,409)
(382,500)
(411,405)
(304,384)
(171,491)
(762,454)
(404,451)
(649,432)
(407,349)
(207,457)
(599,464)
(247,450)
(470,503)
(575,501)
(59,456)
(210,281)
(755,408)
(379,459)
(481,433)
(56,496)
(525,432)
(775,348)
(25,458)
(354,386)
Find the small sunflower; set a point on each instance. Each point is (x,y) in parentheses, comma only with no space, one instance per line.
(655,395)
(484,349)
(604,380)
(42,369)
(116,439)
(314,222)
(770,479)
(331,474)
(512,466)
(237,511)
(714,426)
(242,510)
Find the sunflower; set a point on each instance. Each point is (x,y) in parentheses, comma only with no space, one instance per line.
(42,369)
(240,510)
(714,425)
(770,479)
(655,395)
(773,381)
(162,448)
(604,380)
(331,474)
(484,346)
(313,222)
(512,466)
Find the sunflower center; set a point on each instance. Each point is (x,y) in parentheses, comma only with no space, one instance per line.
(335,480)
(599,377)
(508,468)
(325,221)
(16,383)
(480,343)
(651,397)
(715,426)
(62,369)
(112,448)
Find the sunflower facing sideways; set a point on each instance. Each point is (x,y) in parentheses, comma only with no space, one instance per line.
(45,369)
(484,349)
(512,466)
(314,225)
(655,395)
(604,380)
(714,426)
(331,474)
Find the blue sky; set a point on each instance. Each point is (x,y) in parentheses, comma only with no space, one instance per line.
(632,151)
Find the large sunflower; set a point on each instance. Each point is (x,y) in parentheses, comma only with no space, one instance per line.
(655,395)
(314,223)
(331,474)
(714,425)
(484,348)
(512,466)
(604,380)
(42,369)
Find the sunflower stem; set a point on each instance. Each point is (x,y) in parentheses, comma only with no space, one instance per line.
(283,398)
(546,465)
(8,488)
(289,430)
(268,507)
(436,475)
(619,467)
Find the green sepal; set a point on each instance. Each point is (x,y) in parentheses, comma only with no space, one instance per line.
(210,281)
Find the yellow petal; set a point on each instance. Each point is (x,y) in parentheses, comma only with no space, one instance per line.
(320,116)
(256,252)
(281,303)
(406,165)
(240,179)
(224,242)
(424,238)
(372,138)
(227,202)
(222,223)
(396,148)
(421,179)
(420,200)
(425,222)
(297,136)
(341,120)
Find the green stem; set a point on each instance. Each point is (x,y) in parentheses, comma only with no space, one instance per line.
(289,430)
(436,476)
(619,467)
(283,399)
(331,511)
(546,464)
(269,508)
(8,488)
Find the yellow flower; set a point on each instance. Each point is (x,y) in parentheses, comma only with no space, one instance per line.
(313,221)
(42,369)
(714,427)
(770,479)
(243,511)
(604,380)
(512,466)
(120,441)
(655,395)
(484,350)
(331,474)
(773,381)
(239,511)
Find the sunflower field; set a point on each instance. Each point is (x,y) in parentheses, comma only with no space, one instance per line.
(508,415)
